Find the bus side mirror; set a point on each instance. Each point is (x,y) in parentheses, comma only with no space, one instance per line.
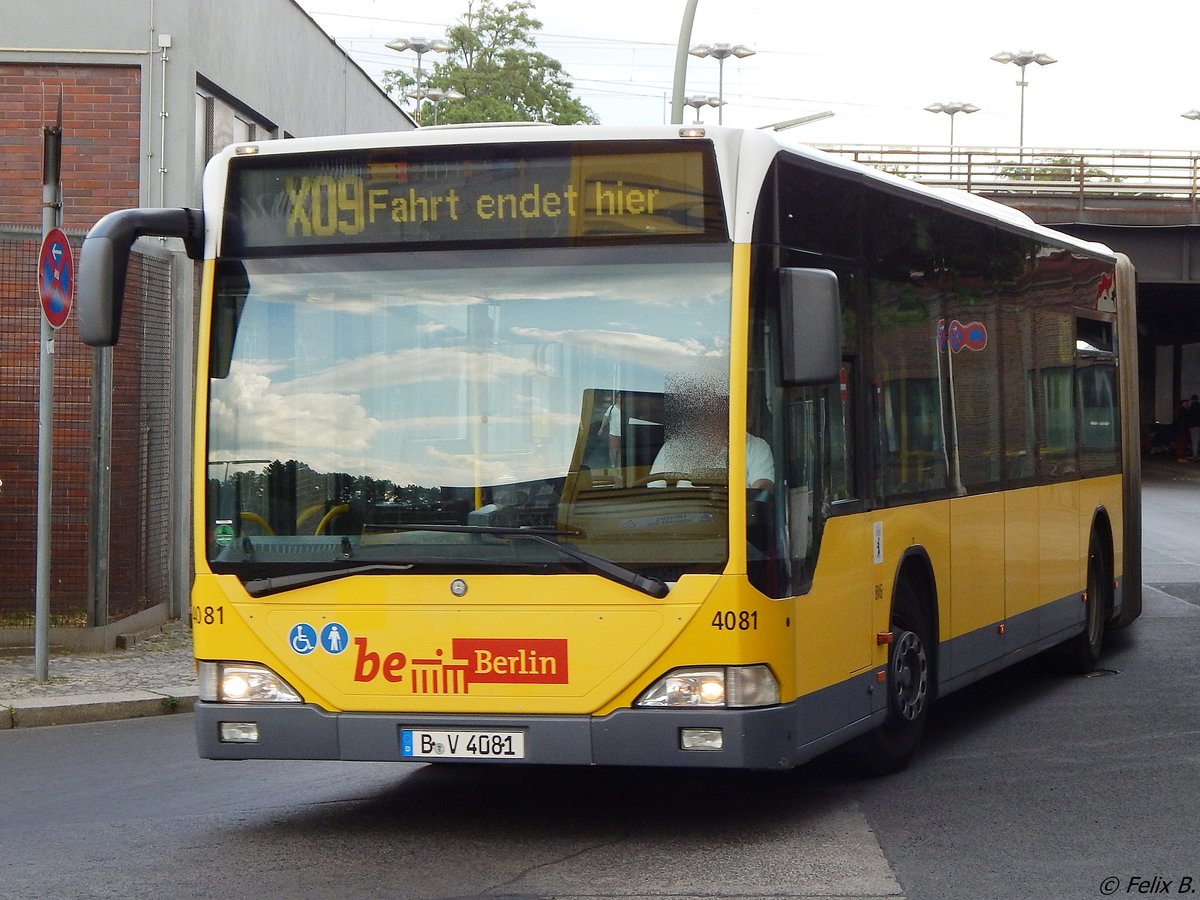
(811,319)
(105,258)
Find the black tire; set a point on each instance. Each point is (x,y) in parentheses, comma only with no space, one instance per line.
(891,746)
(1081,653)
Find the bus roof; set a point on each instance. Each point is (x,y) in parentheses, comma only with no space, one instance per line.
(755,149)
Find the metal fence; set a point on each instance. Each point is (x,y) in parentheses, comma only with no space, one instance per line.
(1083,174)
(138,523)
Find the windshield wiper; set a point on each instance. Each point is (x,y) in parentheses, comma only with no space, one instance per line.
(260,587)
(613,571)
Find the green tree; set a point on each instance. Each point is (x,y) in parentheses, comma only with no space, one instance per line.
(496,65)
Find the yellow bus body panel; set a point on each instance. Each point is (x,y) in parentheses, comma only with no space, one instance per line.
(839,623)
(523,645)
(1021,551)
(1061,571)
(513,643)
(736,625)
(976,562)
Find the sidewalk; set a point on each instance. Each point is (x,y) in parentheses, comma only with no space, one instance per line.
(155,677)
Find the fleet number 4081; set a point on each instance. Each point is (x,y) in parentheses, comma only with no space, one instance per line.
(208,615)
(735,620)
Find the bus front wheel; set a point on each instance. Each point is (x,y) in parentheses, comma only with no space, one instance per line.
(890,747)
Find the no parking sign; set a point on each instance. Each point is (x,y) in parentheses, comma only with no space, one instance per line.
(56,277)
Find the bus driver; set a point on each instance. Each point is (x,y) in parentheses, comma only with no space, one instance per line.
(696,425)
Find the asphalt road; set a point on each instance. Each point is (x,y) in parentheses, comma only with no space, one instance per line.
(1030,784)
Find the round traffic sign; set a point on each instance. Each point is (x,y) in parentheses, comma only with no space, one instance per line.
(56,277)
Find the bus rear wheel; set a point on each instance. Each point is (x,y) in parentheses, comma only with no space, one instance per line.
(1081,653)
(890,747)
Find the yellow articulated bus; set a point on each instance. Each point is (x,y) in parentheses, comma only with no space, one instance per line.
(672,446)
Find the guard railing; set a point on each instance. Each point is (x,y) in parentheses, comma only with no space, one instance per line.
(1145,174)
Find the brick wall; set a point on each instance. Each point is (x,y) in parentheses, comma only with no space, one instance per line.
(101,140)
(100,172)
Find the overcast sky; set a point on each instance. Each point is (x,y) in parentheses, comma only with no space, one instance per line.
(1125,72)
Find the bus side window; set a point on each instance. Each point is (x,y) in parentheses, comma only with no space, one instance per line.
(1058,413)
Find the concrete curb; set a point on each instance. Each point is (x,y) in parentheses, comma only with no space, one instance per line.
(33,712)
(121,634)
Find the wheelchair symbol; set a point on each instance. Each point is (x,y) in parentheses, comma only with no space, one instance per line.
(303,639)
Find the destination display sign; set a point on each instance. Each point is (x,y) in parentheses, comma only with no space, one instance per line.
(463,195)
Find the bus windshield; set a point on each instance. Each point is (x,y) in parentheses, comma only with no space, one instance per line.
(409,408)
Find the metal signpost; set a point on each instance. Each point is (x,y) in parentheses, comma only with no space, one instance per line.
(56,289)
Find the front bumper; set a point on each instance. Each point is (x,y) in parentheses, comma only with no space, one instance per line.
(753,738)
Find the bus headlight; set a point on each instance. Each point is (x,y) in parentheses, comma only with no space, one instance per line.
(242,683)
(713,687)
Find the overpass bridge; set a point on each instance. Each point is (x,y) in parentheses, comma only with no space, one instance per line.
(1143,203)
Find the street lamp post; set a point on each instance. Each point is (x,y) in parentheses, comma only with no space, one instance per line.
(435,96)
(953,108)
(695,101)
(1022,59)
(720,52)
(419,46)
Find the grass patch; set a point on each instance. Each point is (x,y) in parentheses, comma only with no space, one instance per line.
(17,618)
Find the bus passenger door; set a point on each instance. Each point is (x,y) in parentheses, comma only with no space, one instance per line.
(838,598)
(816,432)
